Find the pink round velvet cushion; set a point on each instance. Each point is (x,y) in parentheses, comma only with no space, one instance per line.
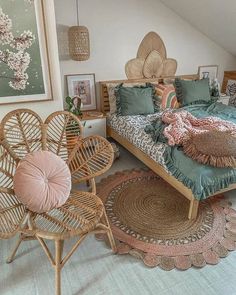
(42,181)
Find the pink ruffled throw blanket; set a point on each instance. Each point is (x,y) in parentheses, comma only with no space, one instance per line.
(182,124)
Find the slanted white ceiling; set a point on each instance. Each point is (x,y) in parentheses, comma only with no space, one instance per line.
(214,18)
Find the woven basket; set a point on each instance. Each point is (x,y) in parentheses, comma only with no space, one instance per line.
(79,43)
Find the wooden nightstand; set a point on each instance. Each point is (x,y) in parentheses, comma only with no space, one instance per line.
(94,124)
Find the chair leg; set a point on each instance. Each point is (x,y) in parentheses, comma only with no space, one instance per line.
(109,232)
(12,255)
(58,267)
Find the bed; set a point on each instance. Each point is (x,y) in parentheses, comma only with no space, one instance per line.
(141,145)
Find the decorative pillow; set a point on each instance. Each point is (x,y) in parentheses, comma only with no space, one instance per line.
(111,87)
(112,97)
(167,96)
(232,101)
(42,181)
(137,100)
(215,148)
(191,92)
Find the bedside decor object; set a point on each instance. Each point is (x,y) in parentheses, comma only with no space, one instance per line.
(148,217)
(26,47)
(226,99)
(83,86)
(215,88)
(74,105)
(151,60)
(79,47)
(209,71)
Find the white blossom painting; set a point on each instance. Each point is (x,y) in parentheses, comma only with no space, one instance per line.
(24,74)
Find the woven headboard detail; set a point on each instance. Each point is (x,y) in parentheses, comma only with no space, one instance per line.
(104,99)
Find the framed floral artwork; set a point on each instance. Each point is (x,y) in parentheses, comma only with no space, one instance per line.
(210,72)
(83,86)
(24,65)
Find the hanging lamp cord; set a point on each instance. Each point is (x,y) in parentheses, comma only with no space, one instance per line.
(77,10)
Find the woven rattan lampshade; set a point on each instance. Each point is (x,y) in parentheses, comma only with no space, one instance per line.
(79,47)
(79,43)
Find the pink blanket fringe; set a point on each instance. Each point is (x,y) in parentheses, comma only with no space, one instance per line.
(182,124)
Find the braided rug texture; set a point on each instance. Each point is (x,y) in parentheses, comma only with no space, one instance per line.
(149,221)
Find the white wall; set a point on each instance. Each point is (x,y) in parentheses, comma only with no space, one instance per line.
(47,107)
(197,13)
(117,28)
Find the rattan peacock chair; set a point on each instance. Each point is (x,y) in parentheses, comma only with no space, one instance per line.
(21,132)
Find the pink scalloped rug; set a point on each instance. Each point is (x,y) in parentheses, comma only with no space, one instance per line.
(149,221)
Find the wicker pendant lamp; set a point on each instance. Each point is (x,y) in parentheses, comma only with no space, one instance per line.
(79,47)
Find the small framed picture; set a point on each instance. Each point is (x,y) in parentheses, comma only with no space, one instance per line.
(210,72)
(83,86)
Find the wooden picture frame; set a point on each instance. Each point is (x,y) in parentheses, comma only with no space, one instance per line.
(83,86)
(38,86)
(208,71)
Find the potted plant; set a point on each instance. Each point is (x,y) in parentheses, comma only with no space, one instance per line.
(74,106)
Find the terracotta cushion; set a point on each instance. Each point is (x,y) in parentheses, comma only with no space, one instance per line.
(42,181)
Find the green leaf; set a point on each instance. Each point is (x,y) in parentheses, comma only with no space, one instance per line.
(68,100)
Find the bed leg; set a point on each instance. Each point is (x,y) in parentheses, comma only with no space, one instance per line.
(193,209)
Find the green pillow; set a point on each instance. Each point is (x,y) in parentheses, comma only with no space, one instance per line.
(192,92)
(137,100)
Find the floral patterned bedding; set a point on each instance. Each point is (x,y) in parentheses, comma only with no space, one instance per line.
(132,128)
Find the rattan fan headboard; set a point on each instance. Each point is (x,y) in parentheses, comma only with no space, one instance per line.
(104,99)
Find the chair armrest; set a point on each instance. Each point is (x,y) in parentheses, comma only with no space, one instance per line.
(91,157)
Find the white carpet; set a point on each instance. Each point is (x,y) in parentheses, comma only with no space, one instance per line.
(94,270)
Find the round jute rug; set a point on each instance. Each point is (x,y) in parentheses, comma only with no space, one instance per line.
(149,221)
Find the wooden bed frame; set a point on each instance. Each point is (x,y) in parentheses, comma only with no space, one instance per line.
(157,168)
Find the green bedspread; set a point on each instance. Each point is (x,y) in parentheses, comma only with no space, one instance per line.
(203,180)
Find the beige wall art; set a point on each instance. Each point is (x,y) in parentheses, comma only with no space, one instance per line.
(151,60)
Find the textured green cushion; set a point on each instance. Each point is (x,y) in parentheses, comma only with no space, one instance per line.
(137,100)
(191,92)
